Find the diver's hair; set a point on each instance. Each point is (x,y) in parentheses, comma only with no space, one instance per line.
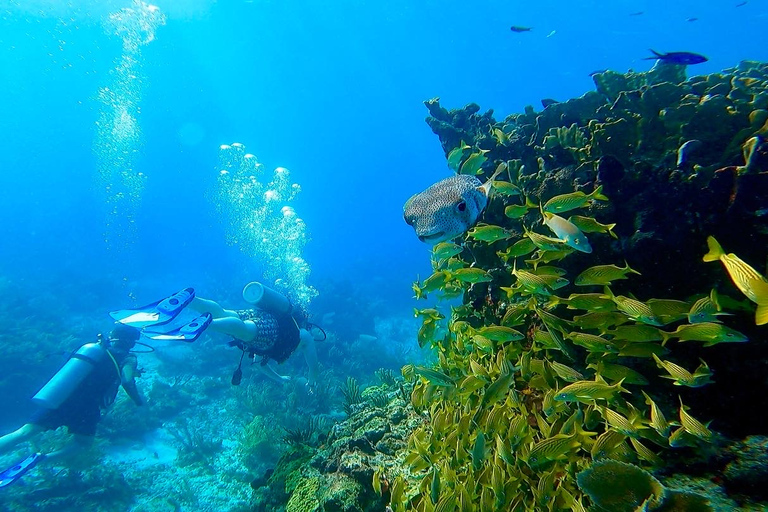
(125,334)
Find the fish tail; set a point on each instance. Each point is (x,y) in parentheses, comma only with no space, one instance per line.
(619,388)
(630,270)
(531,204)
(610,230)
(715,250)
(761,315)
(488,185)
(715,300)
(499,170)
(656,55)
(598,195)
(608,293)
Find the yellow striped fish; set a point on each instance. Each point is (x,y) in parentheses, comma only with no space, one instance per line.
(634,309)
(694,426)
(747,279)
(658,421)
(603,274)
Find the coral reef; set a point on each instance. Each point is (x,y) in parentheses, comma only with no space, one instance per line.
(338,474)
(629,136)
(541,400)
(747,473)
(620,487)
(534,386)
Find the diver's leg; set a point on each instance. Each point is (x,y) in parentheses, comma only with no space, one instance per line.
(20,435)
(244,330)
(270,372)
(307,346)
(79,444)
(212,307)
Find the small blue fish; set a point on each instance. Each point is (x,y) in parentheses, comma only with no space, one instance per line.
(680,58)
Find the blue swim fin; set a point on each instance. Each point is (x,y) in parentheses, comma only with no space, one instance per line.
(188,332)
(20,469)
(157,313)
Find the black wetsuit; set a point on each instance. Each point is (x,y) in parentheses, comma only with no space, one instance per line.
(81,412)
(277,336)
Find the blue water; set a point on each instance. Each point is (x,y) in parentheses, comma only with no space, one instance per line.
(332,91)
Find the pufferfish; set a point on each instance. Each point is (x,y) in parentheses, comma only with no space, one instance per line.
(448,208)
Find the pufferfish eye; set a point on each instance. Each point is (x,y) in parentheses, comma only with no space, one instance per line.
(462,206)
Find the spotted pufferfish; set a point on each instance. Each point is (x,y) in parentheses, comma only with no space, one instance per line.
(448,208)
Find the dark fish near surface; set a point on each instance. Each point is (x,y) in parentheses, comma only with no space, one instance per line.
(518,28)
(692,19)
(741,4)
(548,101)
(681,58)
(638,13)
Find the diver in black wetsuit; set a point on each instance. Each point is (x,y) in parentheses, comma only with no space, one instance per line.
(75,397)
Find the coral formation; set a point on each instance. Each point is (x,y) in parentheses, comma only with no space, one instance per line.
(621,487)
(627,137)
(369,446)
(534,385)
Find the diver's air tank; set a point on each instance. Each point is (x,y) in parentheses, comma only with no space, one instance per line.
(74,371)
(266,298)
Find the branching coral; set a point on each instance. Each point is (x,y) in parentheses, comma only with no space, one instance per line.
(197,444)
(352,396)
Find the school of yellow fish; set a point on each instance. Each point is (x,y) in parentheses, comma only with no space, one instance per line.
(536,384)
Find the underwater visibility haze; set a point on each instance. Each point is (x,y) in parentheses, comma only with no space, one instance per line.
(383,256)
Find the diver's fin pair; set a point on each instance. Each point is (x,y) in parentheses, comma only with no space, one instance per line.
(162,312)
(19,469)
(157,313)
(188,332)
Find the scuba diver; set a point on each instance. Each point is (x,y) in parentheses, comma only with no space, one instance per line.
(273,330)
(75,396)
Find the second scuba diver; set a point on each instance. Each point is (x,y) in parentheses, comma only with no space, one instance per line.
(75,397)
(272,330)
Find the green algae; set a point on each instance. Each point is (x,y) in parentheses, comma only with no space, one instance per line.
(304,497)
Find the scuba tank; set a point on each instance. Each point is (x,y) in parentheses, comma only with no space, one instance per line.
(74,371)
(266,299)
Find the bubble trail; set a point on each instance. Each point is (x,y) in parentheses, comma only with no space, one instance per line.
(261,223)
(118,139)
